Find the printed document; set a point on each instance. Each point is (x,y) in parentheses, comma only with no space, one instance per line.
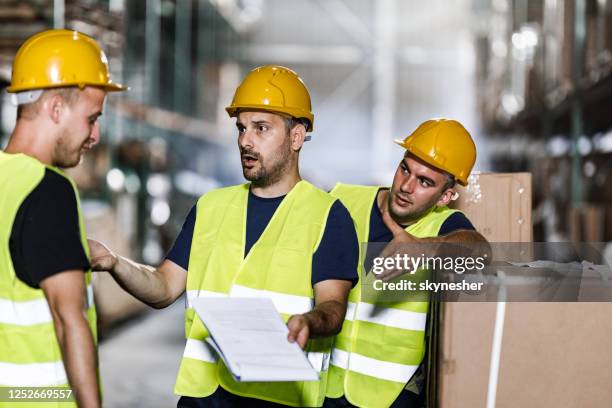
(251,338)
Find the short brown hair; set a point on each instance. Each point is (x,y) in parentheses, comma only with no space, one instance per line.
(291,122)
(68,94)
(450,181)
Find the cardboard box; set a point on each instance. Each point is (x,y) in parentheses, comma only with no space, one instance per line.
(574,222)
(593,223)
(499,205)
(587,224)
(608,224)
(550,354)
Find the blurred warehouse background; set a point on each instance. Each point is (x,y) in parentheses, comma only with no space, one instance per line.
(531,80)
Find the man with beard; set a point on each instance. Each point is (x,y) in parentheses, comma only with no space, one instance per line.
(47,316)
(277,237)
(382,342)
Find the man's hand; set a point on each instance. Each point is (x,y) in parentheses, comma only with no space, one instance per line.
(396,246)
(327,316)
(400,235)
(299,330)
(158,287)
(102,258)
(469,243)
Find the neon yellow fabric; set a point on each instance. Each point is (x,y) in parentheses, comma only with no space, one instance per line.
(27,334)
(279,266)
(387,353)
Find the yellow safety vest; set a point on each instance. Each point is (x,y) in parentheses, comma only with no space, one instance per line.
(381,344)
(278,266)
(30,354)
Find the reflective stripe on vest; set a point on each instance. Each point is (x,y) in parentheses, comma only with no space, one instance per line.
(31,312)
(200,350)
(372,367)
(401,319)
(278,267)
(33,374)
(29,352)
(380,346)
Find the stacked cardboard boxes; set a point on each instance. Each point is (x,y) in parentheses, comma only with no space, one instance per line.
(519,354)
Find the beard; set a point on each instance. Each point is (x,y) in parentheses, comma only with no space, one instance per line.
(65,155)
(266,172)
(405,216)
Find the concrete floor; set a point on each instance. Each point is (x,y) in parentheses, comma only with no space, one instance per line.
(140,360)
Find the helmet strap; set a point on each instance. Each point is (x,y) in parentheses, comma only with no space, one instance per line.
(25,97)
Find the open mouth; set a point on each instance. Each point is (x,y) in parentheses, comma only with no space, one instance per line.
(248,160)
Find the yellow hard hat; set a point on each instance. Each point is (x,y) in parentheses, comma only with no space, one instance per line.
(276,89)
(444,144)
(60,58)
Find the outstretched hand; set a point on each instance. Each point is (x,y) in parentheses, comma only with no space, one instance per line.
(102,258)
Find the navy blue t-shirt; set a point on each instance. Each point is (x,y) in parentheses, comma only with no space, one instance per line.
(335,258)
(45,237)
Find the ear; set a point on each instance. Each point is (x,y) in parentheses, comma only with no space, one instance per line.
(54,108)
(298,135)
(446,197)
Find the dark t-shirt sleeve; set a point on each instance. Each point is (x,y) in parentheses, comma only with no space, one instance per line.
(338,252)
(45,238)
(456,221)
(179,253)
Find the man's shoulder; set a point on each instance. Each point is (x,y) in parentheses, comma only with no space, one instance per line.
(457,220)
(340,188)
(224,192)
(310,189)
(55,185)
(24,172)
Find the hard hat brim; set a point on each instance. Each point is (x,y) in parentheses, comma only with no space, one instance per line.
(109,87)
(233,110)
(115,87)
(399,142)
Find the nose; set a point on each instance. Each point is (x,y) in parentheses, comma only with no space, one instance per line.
(94,136)
(408,184)
(245,139)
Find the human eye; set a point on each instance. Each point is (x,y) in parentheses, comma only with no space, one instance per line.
(425,182)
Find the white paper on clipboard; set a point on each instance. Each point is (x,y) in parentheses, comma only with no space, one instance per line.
(251,338)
